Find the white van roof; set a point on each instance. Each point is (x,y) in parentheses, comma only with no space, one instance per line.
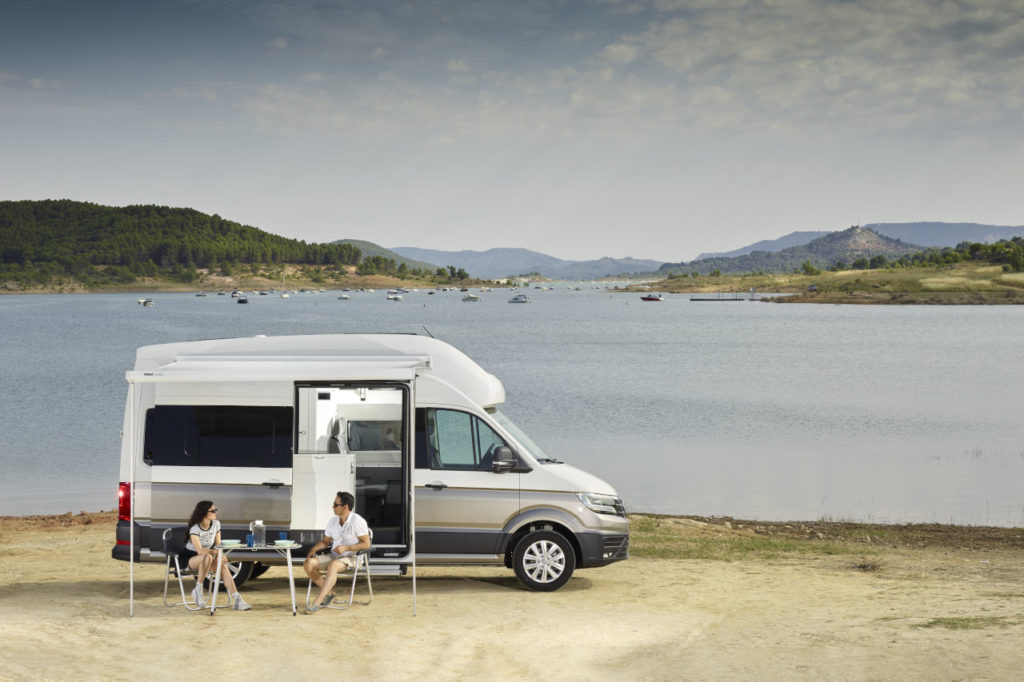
(316,357)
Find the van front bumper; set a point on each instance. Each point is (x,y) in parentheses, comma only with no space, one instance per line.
(601,549)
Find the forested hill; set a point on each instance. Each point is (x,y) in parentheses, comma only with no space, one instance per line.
(54,237)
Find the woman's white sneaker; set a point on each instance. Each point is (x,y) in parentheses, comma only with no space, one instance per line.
(198,596)
(239,604)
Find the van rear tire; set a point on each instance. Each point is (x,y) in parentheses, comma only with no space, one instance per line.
(543,560)
(240,572)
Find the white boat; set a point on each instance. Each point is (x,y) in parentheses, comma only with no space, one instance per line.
(519,298)
(469,298)
(343,297)
(394,296)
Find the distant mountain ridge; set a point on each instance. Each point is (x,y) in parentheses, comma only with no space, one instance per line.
(847,245)
(369,249)
(506,262)
(784,242)
(924,233)
(947,234)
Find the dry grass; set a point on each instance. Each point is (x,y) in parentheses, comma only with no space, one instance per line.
(963,283)
(681,538)
(866,564)
(956,283)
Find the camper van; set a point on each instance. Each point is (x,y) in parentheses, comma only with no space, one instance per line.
(271,428)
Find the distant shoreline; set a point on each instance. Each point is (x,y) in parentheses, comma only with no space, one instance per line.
(965,283)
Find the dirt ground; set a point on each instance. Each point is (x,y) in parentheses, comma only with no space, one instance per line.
(927,602)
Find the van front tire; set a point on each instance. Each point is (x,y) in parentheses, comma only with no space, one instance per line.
(543,560)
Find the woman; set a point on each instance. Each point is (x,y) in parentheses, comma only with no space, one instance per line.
(200,555)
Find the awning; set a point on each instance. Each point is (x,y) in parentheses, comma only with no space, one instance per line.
(231,369)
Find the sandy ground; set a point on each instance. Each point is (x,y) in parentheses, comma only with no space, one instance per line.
(938,614)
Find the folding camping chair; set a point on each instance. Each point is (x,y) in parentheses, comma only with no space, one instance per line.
(362,562)
(173,543)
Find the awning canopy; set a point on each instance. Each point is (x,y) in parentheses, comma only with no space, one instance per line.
(231,369)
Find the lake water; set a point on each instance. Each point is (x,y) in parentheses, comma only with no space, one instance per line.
(754,410)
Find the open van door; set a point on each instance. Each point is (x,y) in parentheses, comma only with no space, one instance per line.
(353,437)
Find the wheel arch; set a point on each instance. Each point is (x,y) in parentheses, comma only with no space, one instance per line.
(541,519)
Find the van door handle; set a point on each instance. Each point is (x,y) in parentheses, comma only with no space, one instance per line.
(437,485)
(273,484)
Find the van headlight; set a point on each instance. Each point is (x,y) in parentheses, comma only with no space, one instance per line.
(602,504)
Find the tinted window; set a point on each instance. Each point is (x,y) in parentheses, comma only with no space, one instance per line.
(188,435)
(457,440)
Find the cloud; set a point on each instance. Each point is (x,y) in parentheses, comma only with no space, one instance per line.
(621,53)
(192,93)
(891,65)
(786,69)
(42,84)
(279,43)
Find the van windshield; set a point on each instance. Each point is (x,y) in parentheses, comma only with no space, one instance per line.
(528,443)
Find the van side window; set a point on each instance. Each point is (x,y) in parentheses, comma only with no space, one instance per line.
(459,440)
(215,435)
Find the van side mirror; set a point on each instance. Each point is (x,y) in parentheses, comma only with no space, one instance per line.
(504,459)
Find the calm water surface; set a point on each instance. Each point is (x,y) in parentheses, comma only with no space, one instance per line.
(774,412)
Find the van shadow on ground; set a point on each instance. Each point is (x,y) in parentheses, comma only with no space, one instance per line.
(267,587)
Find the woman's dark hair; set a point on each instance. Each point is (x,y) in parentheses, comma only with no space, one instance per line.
(199,512)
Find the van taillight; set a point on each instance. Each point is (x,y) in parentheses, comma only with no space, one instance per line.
(124,502)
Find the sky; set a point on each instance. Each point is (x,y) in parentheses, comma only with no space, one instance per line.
(655,129)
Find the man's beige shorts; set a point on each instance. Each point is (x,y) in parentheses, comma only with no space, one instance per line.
(326,559)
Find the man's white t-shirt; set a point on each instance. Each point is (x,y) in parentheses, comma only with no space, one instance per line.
(346,533)
(206,537)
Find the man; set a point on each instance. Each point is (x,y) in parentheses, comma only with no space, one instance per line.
(346,534)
